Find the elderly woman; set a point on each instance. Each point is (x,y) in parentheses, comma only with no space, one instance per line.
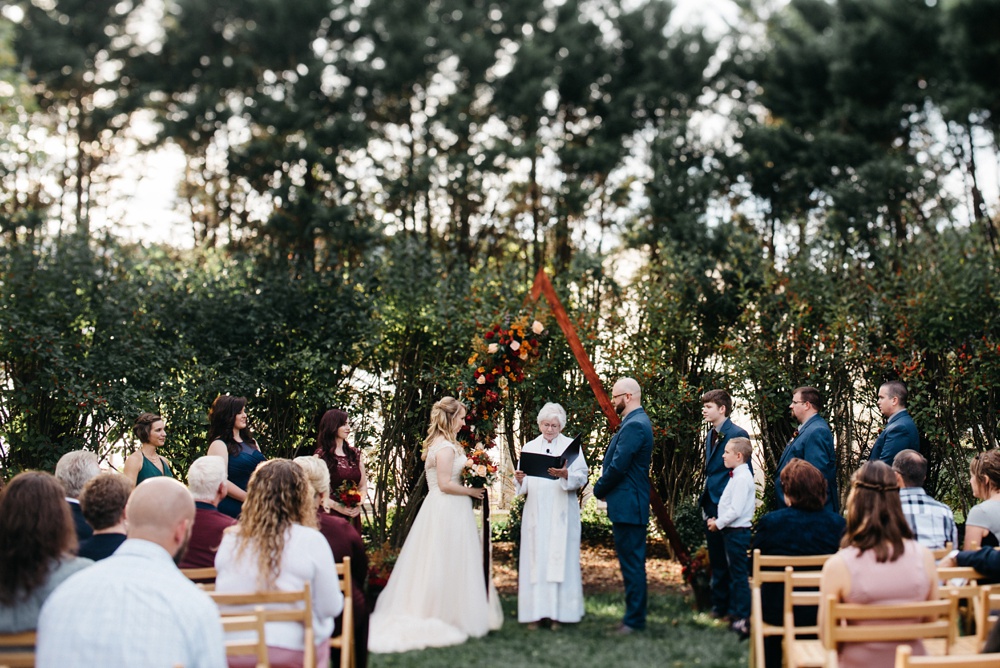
(37,542)
(879,562)
(806,526)
(549,585)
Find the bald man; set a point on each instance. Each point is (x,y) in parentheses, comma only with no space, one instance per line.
(85,621)
(624,483)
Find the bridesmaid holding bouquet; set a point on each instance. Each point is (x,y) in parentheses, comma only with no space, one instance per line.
(348,479)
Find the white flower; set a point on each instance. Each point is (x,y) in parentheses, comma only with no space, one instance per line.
(523,355)
(537,327)
(481,380)
(469,463)
(515,345)
(481,471)
(493,348)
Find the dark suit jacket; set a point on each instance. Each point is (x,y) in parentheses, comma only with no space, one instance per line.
(206,534)
(815,445)
(83,528)
(986,560)
(101,545)
(716,473)
(899,434)
(624,481)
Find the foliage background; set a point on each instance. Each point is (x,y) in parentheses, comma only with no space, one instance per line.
(807,198)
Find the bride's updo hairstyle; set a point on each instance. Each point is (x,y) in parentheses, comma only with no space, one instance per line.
(444,413)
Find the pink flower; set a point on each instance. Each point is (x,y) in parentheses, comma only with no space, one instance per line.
(493,348)
(515,345)
(481,380)
(537,327)
(481,470)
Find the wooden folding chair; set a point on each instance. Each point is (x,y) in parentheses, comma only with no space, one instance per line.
(252,622)
(770,568)
(905,659)
(17,650)
(987,603)
(300,611)
(801,589)
(937,620)
(942,552)
(203,577)
(345,641)
(965,581)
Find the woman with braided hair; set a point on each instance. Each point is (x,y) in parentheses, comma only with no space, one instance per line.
(878,562)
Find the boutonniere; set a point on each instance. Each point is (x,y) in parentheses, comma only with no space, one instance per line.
(795,435)
(721,438)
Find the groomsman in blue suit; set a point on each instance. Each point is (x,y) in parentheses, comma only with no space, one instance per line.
(716,407)
(813,442)
(900,433)
(624,483)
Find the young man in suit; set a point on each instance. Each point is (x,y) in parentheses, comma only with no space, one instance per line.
(624,483)
(900,433)
(716,408)
(813,442)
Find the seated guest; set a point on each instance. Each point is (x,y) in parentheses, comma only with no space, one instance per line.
(805,527)
(73,470)
(276,546)
(932,522)
(103,503)
(879,562)
(207,482)
(982,524)
(37,542)
(91,620)
(986,560)
(345,541)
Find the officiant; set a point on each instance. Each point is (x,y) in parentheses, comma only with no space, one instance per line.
(550,471)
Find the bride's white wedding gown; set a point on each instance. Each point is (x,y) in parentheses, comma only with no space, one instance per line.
(436,595)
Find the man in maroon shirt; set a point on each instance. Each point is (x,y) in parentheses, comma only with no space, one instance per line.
(207,482)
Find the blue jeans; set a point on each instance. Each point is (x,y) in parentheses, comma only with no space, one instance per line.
(630,545)
(737,543)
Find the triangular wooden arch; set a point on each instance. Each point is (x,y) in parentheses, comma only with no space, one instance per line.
(543,287)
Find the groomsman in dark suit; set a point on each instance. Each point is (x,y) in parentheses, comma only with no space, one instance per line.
(716,408)
(900,433)
(813,442)
(624,483)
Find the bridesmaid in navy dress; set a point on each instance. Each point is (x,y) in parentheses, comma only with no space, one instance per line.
(343,461)
(229,437)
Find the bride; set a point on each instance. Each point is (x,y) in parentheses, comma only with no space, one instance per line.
(436,595)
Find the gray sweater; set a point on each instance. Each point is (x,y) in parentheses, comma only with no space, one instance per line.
(23,615)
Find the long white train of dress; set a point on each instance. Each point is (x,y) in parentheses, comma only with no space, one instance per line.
(436,595)
(549,585)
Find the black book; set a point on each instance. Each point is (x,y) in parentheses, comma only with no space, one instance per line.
(538,465)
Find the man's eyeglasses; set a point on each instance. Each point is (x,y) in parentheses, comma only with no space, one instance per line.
(615,396)
(800,402)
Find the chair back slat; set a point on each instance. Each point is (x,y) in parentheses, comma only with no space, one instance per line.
(235,604)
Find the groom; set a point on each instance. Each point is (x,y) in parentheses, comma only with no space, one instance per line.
(624,483)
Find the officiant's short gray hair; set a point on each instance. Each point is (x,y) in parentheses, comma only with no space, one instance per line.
(552,411)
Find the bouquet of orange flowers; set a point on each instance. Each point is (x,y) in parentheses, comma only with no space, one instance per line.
(479,471)
(348,494)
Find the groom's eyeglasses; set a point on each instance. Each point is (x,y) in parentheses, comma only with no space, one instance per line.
(615,396)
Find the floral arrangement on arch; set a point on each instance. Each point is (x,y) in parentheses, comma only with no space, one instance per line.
(500,356)
(698,572)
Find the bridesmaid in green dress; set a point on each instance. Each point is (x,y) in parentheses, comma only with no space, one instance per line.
(145,462)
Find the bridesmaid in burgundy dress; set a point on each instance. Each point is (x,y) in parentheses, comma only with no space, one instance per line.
(344,462)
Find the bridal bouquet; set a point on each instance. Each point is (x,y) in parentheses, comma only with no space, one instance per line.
(348,494)
(479,470)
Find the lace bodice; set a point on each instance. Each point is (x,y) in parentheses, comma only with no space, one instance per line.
(430,465)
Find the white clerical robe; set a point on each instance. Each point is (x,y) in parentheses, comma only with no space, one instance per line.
(548,581)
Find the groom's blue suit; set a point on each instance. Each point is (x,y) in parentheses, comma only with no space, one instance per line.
(624,483)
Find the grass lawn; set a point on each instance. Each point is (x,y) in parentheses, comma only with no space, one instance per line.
(674,636)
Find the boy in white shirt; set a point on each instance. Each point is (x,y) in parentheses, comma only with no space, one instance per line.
(736,509)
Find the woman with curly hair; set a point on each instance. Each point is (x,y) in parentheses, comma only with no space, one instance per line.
(37,545)
(230,438)
(146,462)
(982,526)
(276,546)
(343,461)
(878,563)
(436,595)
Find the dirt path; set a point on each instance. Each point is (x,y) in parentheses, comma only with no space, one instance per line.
(599,568)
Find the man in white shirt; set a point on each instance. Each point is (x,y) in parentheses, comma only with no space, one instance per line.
(135,608)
